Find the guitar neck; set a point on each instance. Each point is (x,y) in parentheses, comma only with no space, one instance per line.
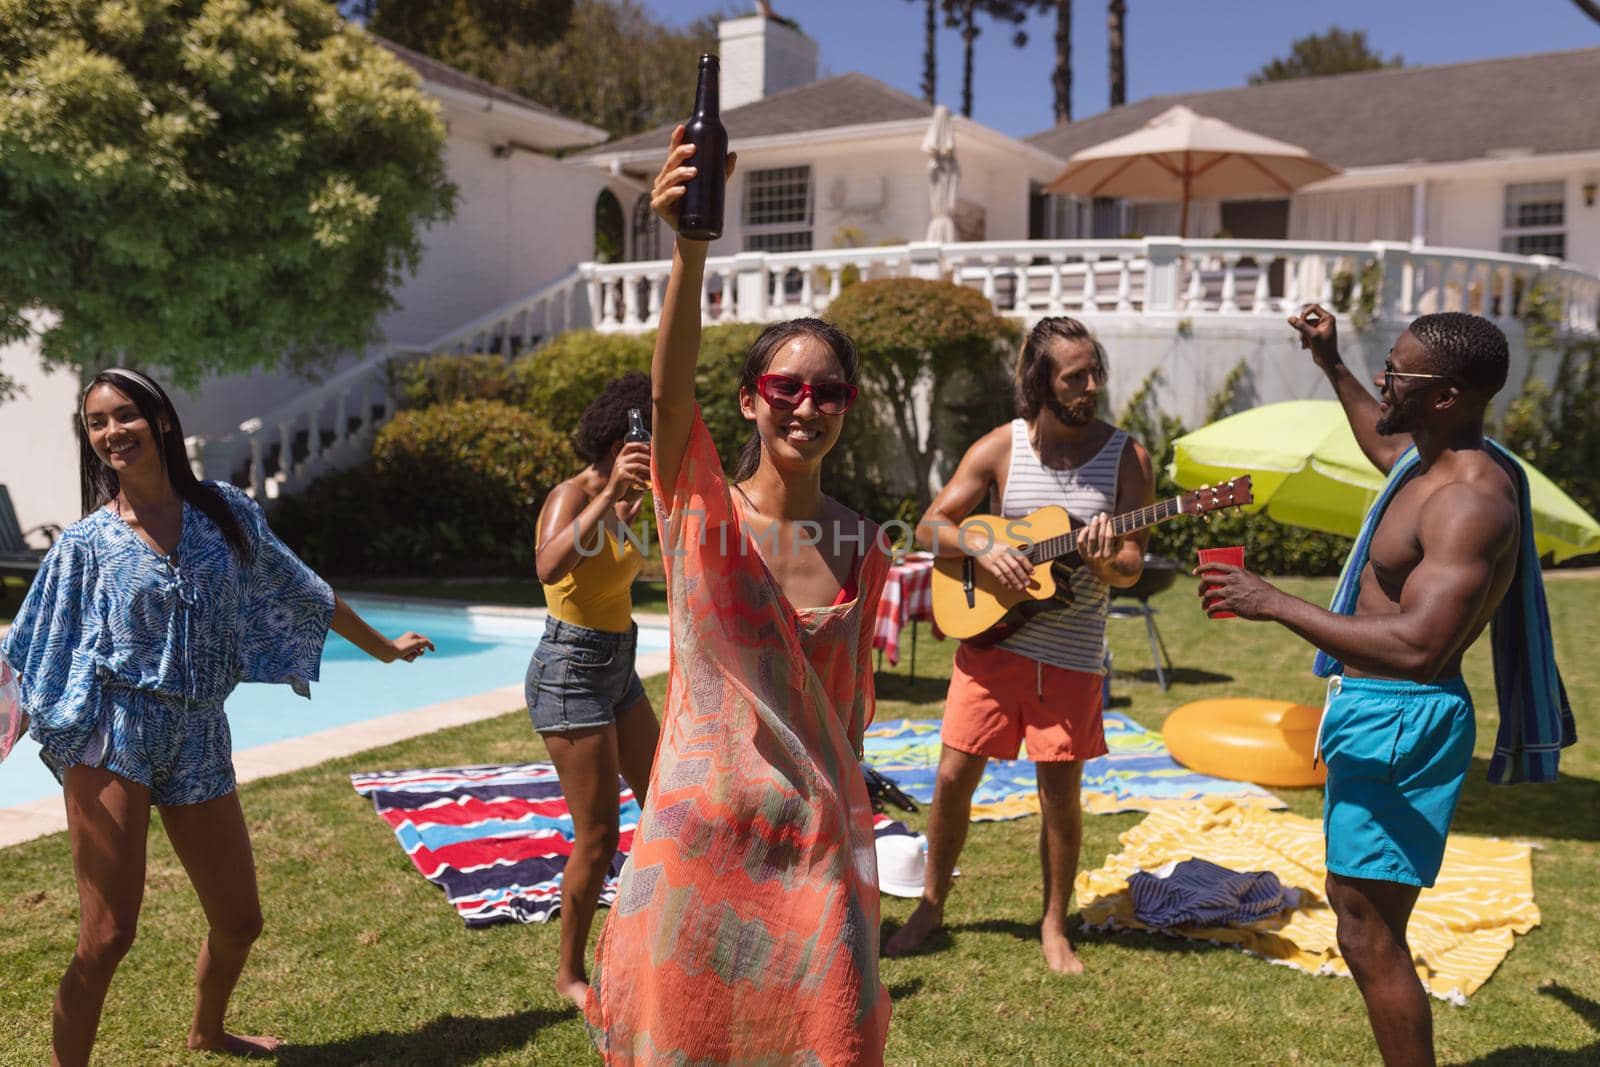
(1126,523)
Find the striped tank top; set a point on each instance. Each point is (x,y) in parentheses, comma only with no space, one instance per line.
(1073,637)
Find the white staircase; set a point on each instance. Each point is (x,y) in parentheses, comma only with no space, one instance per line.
(332,425)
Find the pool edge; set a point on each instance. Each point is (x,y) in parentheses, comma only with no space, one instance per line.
(39,818)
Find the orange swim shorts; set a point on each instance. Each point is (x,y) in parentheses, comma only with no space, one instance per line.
(998,700)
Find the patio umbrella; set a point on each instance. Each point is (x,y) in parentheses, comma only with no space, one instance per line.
(1180,155)
(943,175)
(1307,470)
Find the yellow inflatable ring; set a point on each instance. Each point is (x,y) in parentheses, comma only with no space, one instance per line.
(1269,742)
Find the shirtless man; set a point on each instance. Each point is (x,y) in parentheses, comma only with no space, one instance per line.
(1057,452)
(1398,730)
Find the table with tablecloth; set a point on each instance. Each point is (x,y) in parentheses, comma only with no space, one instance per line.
(907,598)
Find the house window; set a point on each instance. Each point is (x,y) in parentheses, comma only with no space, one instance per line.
(777,210)
(1051,216)
(1535,219)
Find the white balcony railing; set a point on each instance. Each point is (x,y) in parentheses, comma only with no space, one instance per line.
(332,424)
(1151,276)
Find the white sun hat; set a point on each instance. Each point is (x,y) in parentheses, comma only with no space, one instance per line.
(902,864)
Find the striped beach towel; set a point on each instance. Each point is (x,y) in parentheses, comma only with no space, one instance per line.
(1536,720)
(496,838)
(1460,929)
(1137,774)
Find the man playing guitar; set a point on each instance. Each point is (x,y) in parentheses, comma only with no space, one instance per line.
(1042,683)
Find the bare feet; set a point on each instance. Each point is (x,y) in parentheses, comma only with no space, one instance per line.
(1058,952)
(263,1047)
(574,989)
(924,921)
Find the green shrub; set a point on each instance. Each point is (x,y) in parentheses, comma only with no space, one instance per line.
(559,380)
(1270,547)
(913,330)
(450,489)
(445,379)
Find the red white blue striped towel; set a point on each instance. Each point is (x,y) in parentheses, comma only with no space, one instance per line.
(496,838)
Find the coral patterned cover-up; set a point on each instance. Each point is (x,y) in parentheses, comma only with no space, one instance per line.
(745,928)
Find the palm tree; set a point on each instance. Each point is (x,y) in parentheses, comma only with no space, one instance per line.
(1061,77)
(1116,20)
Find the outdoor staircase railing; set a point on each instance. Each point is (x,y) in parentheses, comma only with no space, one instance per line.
(332,425)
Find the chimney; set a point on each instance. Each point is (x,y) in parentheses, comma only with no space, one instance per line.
(762,55)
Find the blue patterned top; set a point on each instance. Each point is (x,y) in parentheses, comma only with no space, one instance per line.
(107,609)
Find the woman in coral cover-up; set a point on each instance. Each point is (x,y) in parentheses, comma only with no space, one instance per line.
(746,925)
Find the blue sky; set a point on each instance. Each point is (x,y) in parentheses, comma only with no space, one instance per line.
(1172,45)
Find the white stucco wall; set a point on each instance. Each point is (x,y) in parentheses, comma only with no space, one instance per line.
(38,446)
(880,187)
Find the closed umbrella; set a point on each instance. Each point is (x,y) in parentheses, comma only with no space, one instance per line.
(1180,155)
(1307,470)
(944,175)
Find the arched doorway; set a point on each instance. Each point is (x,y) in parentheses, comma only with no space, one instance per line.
(608,228)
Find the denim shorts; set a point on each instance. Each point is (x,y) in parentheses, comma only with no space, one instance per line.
(182,753)
(1397,754)
(580,678)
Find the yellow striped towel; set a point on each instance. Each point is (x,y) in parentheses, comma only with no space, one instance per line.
(1460,931)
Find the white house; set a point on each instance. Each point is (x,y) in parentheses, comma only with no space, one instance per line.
(1463,186)
(1501,155)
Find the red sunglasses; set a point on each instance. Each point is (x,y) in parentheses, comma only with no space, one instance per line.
(786,393)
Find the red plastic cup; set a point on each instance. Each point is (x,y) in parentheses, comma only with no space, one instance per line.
(1233,554)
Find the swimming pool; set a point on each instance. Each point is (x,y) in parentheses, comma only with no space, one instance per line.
(477,651)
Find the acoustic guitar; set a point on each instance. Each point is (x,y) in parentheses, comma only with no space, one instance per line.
(970,604)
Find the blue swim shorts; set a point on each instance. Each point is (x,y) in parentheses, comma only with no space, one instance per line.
(580,678)
(1397,753)
(182,753)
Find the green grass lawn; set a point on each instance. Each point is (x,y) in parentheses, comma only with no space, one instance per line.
(364,963)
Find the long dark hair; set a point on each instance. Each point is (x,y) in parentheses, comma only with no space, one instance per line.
(1035,369)
(759,358)
(100,483)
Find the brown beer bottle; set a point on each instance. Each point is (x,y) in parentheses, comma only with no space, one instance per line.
(701,216)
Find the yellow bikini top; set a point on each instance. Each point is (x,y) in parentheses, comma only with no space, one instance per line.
(598,592)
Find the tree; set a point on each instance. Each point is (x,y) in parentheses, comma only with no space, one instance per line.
(1061,74)
(615,67)
(460,31)
(1117,69)
(207,189)
(930,49)
(963,15)
(1335,51)
(916,334)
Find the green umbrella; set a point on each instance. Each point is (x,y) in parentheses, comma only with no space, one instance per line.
(1307,470)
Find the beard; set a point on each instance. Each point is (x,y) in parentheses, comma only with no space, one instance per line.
(1078,413)
(1404,416)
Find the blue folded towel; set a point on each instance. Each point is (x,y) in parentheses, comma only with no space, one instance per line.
(1201,893)
(1535,717)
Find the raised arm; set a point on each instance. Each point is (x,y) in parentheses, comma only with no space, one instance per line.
(1319,334)
(569,525)
(678,333)
(1465,531)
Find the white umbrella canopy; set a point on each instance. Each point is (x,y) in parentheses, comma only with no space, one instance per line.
(944,175)
(1180,155)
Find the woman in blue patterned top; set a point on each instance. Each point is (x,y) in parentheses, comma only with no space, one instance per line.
(142,619)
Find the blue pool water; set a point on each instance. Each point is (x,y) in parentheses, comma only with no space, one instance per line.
(476,652)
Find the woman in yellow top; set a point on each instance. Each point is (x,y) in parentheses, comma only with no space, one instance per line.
(584,696)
